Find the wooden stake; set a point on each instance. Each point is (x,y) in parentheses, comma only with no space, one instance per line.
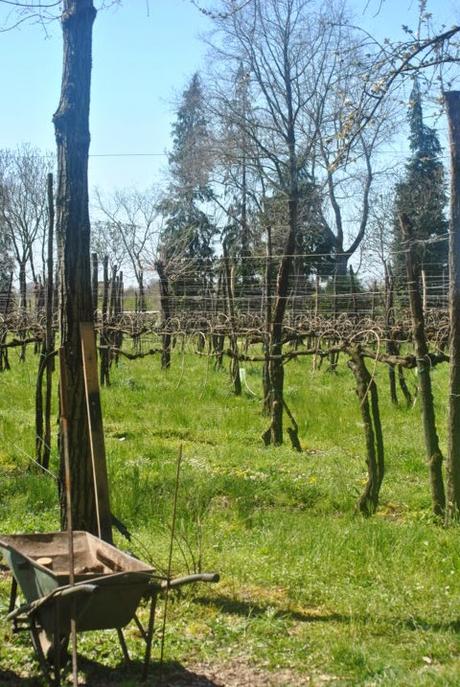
(65,439)
(173,530)
(96,432)
(453,429)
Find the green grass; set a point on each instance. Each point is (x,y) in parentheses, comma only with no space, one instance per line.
(308,587)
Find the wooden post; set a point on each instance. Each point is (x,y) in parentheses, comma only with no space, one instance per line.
(113,293)
(103,337)
(453,451)
(433,452)
(49,326)
(353,293)
(391,345)
(96,432)
(424,293)
(166,314)
(95,282)
(46,364)
(68,493)
(267,401)
(4,362)
(234,361)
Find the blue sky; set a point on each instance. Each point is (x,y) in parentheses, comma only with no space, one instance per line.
(141,61)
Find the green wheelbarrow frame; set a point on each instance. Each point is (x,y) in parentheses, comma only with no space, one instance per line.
(109,586)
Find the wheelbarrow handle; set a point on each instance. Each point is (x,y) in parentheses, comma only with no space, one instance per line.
(187,579)
(72,590)
(59,592)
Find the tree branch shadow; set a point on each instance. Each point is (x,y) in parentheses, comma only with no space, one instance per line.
(169,674)
(227,604)
(418,624)
(8,678)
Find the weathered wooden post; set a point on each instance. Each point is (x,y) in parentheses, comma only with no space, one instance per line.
(165,313)
(433,452)
(453,430)
(95,282)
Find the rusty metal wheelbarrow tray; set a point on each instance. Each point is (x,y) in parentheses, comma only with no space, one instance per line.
(114,580)
(109,585)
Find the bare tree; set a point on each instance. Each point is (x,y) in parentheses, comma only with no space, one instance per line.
(23,207)
(281,46)
(106,240)
(134,216)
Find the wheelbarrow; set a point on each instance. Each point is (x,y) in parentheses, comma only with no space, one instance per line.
(108,588)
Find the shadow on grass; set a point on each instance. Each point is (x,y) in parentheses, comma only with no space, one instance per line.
(170,674)
(248,608)
(8,678)
(427,626)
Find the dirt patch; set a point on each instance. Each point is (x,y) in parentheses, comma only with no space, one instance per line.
(234,673)
(238,673)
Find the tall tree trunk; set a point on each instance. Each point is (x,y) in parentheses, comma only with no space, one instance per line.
(433,452)
(453,430)
(71,122)
(276,367)
(341,265)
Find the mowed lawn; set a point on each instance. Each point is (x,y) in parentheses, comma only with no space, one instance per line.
(310,592)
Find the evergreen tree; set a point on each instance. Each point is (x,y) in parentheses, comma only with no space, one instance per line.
(314,245)
(422,196)
(240,233)
(186,241)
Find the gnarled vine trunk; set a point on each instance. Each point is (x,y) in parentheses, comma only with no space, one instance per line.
(366,390)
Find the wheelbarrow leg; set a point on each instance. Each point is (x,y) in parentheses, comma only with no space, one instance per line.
(149,638)
(57,647)
(13,594)
(140,627)
(124,648)
(39,651)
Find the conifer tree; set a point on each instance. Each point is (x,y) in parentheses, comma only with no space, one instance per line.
(422,196)
(240,234)
(188,234)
